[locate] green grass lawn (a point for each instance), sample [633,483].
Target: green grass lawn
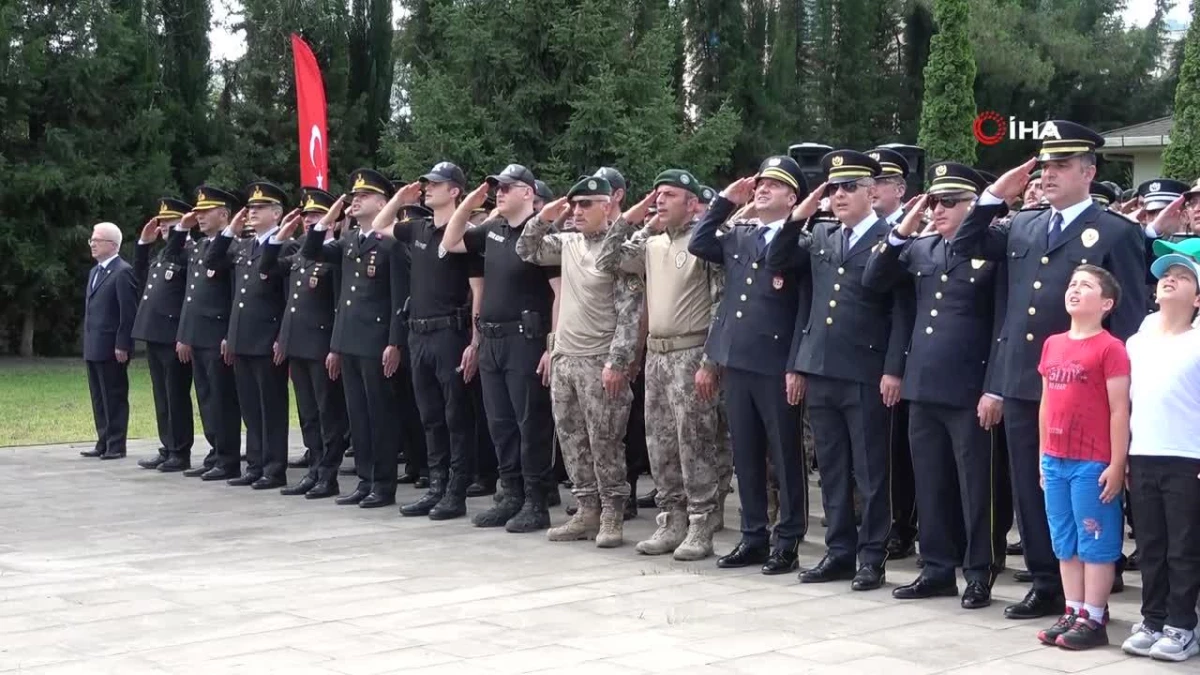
[46,401]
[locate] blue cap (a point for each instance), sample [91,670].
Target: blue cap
[1161,265]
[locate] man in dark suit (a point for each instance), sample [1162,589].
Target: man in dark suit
[260,372]
[109,309]
[203,323]
[944,379]
[163,284]
[312,294]
[368,334]
[749,339]
[1040,248]
[849,359]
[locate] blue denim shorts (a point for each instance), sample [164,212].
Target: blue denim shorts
[1080,524]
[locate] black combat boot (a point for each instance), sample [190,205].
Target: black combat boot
[512,496]
[437,490]
[534,515]
[454,502]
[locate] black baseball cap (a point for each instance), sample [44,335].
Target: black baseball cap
[543,191]
[614,177]
[445,172]
[514,173]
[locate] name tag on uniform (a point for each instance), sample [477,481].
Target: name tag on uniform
[493,235]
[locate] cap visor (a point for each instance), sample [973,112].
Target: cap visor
[500,180]
[1166,262]
[434,178]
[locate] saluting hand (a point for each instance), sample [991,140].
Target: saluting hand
[475,198]
[811,203]
[739,191]
[291,222]
[335,212]
[409,194]
[238,222]
[554,210]
[188,221]
[1012,184]
[637,213]
[913,216]
[149,231]
[1169,218]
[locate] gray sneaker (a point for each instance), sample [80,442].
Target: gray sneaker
[1140,642]
[1175,645]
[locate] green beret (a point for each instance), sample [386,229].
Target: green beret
[707,194]
[680,178]
[591,186]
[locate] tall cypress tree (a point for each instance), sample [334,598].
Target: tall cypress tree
[1182,157]
[948,110]
[186,77]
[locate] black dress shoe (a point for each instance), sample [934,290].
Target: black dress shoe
[926,587]
[152,462]
[1015,549]
[355,497]
[307,483]
[91,453]
[265,483]
[196,472]
[323,489]
[376,500]
[1133,563]
[829,569]
[899,549]
[244,480]
[175,465]
[977,596]
[113,455]
[422,483]
[215,473]
[782,561]
[744,555]
[407,478]
[303,463]
[869,577]
[482,487]
[1037,603]
[1023,576]
[646,501]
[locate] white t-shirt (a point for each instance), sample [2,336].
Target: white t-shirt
[1165,391]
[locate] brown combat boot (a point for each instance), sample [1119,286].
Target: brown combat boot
[583,525]
[612,523]
[672,526]
[697,545]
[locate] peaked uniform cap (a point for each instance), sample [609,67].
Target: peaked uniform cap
[847,166]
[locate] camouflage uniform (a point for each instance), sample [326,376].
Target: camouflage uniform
[598,325]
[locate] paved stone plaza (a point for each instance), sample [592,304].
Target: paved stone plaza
[108,568]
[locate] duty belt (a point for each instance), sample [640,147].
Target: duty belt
[674,344]
[420,326]
[499,330]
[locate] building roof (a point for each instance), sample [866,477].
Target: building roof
[1155,133]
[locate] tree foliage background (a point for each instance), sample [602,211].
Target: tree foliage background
[106,104]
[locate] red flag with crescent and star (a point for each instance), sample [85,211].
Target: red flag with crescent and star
[310,107]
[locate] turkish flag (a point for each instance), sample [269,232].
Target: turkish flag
[310,106]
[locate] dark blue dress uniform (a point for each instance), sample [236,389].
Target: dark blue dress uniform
[439,330]
[369,319]
[164,284]
[203,324]
[109,310]
[1039,266]
[254,319]
[944,377]
[750,338]
[306,329]
[854,337]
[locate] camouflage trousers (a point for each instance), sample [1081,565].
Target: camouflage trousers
[687,455]
[590,426]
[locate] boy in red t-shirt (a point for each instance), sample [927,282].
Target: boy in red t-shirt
[1084,424]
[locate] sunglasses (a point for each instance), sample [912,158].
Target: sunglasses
[505,189]
[948,202]
[587,203]
[848,188]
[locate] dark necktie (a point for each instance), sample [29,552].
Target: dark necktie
[846,234]
[761,241]
[95,277]
[946,253]
[1056,230]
